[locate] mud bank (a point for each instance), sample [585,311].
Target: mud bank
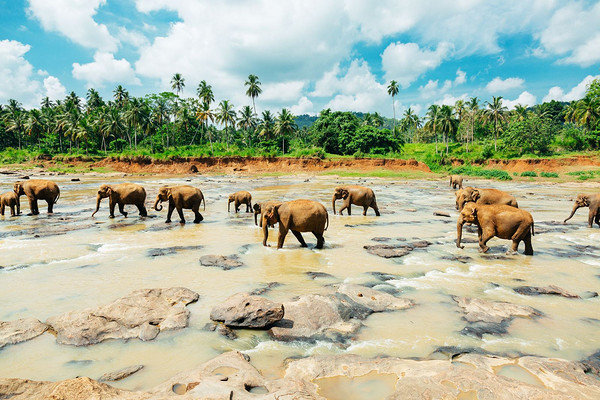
[539,164]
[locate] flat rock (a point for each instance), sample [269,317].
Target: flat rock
[387,251]
[549,290]
[479,310]
[224,262]
[441,214]
[374,299]
[120,374]
[20,330]
[317,274]
[245,311]
[142,314]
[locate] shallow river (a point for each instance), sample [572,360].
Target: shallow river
[70,261]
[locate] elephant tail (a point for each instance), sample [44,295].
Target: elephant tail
[203,204]
[532,230]
[327,217]
[57,197]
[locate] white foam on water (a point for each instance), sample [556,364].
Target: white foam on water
[372,345]
[590,261]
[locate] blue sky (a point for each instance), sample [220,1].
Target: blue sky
[308,54]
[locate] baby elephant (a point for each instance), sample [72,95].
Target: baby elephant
[124,193]
[456,181]
[180,197]
[296,216]
[239,198]
[38,189]
[258,209]
[10,199]
[503,221]
[358,195]
[588,200]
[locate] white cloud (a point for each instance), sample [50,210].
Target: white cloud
[282,91]
[449,100]
[134,38]
[432,88]
[461,77]
[524,99]
[498,85]
[105,69]
[576,93]
[74,19]
[405,62]
[304,106]
[18,79]
[574,31]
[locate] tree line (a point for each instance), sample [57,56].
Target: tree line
[166,121]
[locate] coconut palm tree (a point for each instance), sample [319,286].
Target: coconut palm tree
[34,125]
[121,96]
[266,126]
[473,110]
[113,124]
[411,121]
[253,89]
[392,90]
[448,125]
[46,103]
[570,112]
[587,112]
[285,125]
[15,119]
[495,112]
[177,83]
[226,116]
[205,93]
[137,116]
[432,117]
[203,115]
[247,121]
[93,100]
[73,101]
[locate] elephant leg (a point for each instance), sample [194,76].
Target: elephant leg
[18,206]
[514,247]
[591,216]
[2,209]
[111,205]
[170,212]
[142,209]
[375,208]
[50,206]
[248,207]
[320,240]
[33,206]
[349,208]
[237,206]
[300,238]
[528,246]
[282,234]
[122,209]
[365,208]
[180,212]
[12,211]
[486,235]
[197,216]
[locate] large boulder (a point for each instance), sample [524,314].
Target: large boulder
[120,374]
[245,311]
[20,330]
[224,262]
[374,299]
[552,290]
[142,314]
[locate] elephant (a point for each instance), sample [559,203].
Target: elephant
[258,207]
[10,199]
[358,195]
[501,220]
[483,196]
[297,216]
[239,198]
[38,189]
[588,200]
[181,197]
[456,181]
[124,193]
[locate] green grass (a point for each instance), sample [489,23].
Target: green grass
[381,173]
[470,170]
[585,175]
[529,173]
[549,175]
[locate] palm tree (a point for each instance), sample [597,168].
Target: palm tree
[205,114]
[267,125]
[247,121]
[285,125]
[226,115]
[411,121]
[432,116]
[177,83]
[137,116]
[496,112]
[447,123]
[520,112]
[570,112]
[392,90]
[121,96]
[93,100]
[46,103]
[587,112]
[15,119]
[34,125]
[253,89]
[73,101]
[205,93]
[473,109]
[113,124]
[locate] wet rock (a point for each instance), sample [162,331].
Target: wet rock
[374,299]
[441,214]
[158,252]
[142,314]
[592,364]
[460,259]
[224,262]
[387,251]
[320,317]
[412,210]
[75,179]
[24,177]
[316,274]
[120,374]
[264,289]
[420,244]
[20,330]
[490,317]
[589,294]
[381,239]
[382,276]
[549,290]
[221,329]
[79,363]
[244,311]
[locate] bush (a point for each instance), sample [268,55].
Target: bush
[529,173]
[549,175]
[484,173]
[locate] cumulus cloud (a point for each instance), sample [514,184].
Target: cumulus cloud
[499,85]
[524,99]
[74,19]
[304,106]
[433,89]
[449,100]
[20,81]
[405,62]
[134,38]
[282,91]
[576,93]
[105,69]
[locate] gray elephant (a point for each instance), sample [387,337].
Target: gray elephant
[239,198]
[588,200]
[358,195]
[38,189]
[258,207]
[456,181]
[121,194]
[180,197]
[483,196]
[10,199]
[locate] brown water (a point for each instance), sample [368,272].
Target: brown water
[95,261]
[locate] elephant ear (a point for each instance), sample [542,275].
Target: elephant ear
[585,199]
[109,190]
[17,188]
[345,194]
[169,194]
[475,195]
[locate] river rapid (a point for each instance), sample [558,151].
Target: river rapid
[70,261]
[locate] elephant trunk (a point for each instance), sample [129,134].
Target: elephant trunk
[228,205]
[255,214]
[98,200]
[157,204]
[575,207]
[333,203]
[459,226]
[265,228]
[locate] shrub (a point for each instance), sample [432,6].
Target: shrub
[529,173]
[484,173]
[549,175]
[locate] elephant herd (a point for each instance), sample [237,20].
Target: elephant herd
[494,212]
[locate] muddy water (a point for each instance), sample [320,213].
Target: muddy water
[68,261]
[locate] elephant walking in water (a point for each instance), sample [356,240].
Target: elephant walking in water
[358,195]
[296,216]
[38,189]
[483,196]
[499,220]
[258,207]
[180,197]
[10,199]
[588,200]
[456,181]
[124,193]
[239,198]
